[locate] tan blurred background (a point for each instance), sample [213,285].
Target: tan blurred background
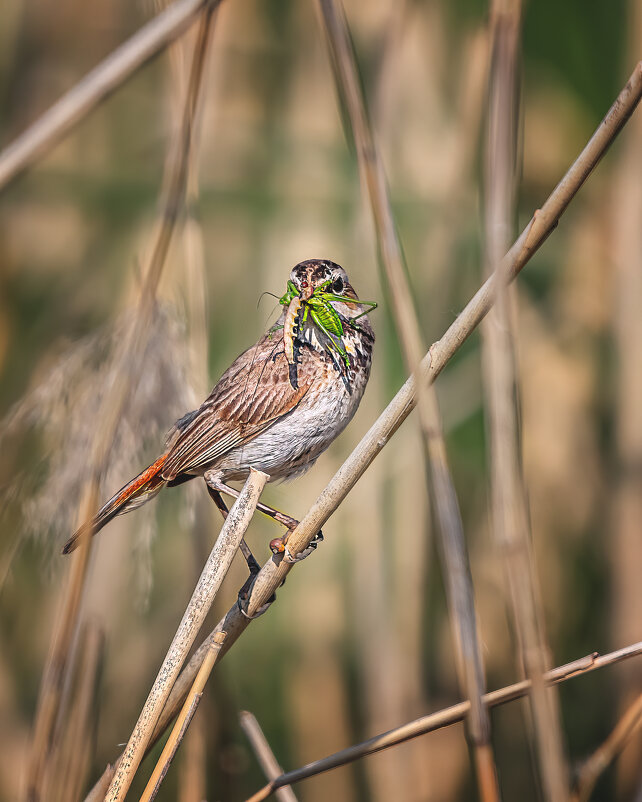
[358,641]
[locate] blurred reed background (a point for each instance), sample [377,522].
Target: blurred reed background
[359,641]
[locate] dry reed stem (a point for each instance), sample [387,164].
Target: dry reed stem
[128,363]
[623,207]
[177,170]
[445,718]
[192,235]
[97,793]
[275,570]
[590,771]
[100,82]
[455,564]
[264,754]
[190,262]
[510,518]
[214,571]
[59,660]
[183,721]
[70,772]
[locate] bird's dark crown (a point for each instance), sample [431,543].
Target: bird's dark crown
[309,275]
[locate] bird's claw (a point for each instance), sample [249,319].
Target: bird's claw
[244,596]
[279,546]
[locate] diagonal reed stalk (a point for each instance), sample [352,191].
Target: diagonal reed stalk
[456,713]
[183,720]
[127,366]
[214,571]
[540,226]
[455,565]
[509,508]
[66,776]
[121,64]
[626,728]
[264,754]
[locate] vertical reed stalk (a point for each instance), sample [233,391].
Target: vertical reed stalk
[128,363]
[510,517]
[453,548]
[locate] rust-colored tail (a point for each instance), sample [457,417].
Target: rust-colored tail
[128,498]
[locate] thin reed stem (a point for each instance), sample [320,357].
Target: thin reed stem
[214,572]
[455,565]
[444,718]
[59,660]
[121,64]
[183,720]
[264,754]
[127,366]
[598,762]
[509,508]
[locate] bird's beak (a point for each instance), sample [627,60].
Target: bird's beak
[305,291]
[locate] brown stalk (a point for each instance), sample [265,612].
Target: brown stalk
[59,661]
[445,718]
[127,365]
[510,519]
[625,729]
[190,262]
[388,626]
[273,572]
[183,720]
[178,170]
[97,793]
[264,754]
[81,728]
[100,82]
[624,479]
[64,778]
[214,571]
[455,564]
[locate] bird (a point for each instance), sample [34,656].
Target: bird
[276,409]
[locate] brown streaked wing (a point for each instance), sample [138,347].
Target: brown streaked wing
[253,393]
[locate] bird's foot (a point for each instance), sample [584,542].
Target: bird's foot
[279,546]
[244,597]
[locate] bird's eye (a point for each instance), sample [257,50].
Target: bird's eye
[338,286]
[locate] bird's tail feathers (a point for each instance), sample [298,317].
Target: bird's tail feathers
[133,495]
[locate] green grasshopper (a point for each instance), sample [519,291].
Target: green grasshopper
[324,316]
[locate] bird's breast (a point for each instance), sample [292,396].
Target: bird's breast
[293,443]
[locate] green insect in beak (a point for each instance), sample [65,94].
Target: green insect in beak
[324,316]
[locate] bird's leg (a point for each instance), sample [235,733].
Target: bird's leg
[252,564]
[286,520]
[278,544]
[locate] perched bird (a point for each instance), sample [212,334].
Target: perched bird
[276,408]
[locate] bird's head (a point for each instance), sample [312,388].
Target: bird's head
[309,276]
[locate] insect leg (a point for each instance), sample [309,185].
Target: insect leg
[372,304]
